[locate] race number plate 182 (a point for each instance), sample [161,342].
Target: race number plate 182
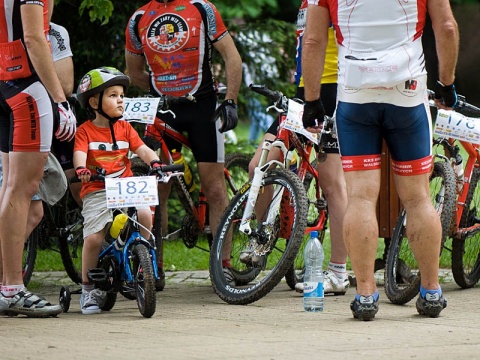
[141,109]
[131,191]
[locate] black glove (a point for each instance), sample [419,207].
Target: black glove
[446,94]
[313,113]
[227,111]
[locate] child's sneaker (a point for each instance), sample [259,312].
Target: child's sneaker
[26,303]
[365,307]
[90,302]
[431,305]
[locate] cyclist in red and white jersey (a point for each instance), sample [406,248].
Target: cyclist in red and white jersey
[28,84]
[175,38]
[382,95]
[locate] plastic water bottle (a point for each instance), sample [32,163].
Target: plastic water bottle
[313,297]
[187,173]
[116,228]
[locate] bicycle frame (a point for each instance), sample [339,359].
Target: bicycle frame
[199,212]
[122,256]
[284,140]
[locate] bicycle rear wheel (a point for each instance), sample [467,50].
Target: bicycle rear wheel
[236,165]
[402,277]
[30,252]
[71,245]
[277,243]
[466,252]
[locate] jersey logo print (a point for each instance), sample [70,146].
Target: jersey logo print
[168,33]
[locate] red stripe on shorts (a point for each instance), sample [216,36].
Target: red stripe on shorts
[413,167]
[361,162]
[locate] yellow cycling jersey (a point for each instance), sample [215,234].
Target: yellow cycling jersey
[331,57]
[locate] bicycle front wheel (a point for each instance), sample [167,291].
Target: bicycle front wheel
[275,242]
[466,252]
[402,276]
[144,280]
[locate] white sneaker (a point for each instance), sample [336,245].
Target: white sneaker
[334,285]
[331,284]
[90,302]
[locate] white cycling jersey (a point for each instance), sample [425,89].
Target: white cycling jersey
[380,48]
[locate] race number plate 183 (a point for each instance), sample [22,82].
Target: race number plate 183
[131,191]
[142,109]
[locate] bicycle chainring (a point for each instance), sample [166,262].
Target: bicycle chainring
[190,231]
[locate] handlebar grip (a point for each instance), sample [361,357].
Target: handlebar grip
[172,168]
[265,91]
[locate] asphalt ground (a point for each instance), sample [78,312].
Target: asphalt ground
[192,322]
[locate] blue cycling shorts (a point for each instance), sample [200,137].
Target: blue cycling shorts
[407,131]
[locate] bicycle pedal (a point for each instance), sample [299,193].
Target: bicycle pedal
[97,275]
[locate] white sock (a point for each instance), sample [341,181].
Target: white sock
[86,288]
[11,290]
[340,270]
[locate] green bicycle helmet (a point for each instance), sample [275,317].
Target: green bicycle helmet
[97,80]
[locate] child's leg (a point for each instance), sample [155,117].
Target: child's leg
[91,248]
[145,218]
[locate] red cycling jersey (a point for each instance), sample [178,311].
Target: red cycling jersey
[176,39]
[14,62]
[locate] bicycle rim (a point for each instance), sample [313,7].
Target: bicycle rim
[277,243]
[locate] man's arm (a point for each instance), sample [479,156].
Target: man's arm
[64,70]
[233,66]
[315,39]
[446,39]
[136,70]
[39,51]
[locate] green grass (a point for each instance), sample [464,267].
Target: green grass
[177,257]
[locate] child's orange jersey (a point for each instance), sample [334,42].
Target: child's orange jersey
[97,143]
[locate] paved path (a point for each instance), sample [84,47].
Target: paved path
[192,322]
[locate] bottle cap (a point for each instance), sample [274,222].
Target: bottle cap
[314,234]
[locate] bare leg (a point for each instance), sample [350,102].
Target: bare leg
[332,182]
[424,230]
[360,226]
[215,189]
[35,215]
[145,218]
[91,249]
[24,171]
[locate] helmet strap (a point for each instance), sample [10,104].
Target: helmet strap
[111,120]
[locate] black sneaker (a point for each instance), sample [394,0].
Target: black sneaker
[364,308]
[431,305]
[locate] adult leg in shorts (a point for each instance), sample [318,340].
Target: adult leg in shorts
[361,128]
[26,128]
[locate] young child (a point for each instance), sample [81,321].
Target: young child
[103,142]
